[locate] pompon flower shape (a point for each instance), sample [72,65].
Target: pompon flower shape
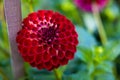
[47,39]
[86,5]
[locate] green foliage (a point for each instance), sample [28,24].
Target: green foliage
[99,60]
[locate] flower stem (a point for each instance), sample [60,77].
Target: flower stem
[99,23]
[57,74]
[31,6]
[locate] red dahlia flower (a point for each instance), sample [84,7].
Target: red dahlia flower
[47,39]
[86,5]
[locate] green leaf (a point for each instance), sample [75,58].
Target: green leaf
[81,75]
[105,66]
[112,50]
[35,74]
[105,76]
[90,67]
[85,54]
[86,45]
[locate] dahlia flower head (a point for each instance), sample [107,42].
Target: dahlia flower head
[86,5]
[47,39]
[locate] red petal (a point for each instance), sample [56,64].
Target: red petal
[46,57]
[69,55]
[61,54]
[52,51]
[54,60]
[63,61]
[38,59]
[40,66]
[33,64]
[27,42]
[47,65]
[34,43]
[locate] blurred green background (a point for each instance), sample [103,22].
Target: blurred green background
[92,60]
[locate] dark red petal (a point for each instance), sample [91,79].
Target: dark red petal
[39,49]
[61,54]
[45,47]
[48,65]
[20,48]
[27,42]
[34,42]
[52,51]
[26,22]
[27,34]
[18,38]
[63,47]
[29,59]
[56,66]
[31,51]
[54,61]
[33,16]
[55,46]
[21,41]
[34,29]
[33,64]
[69,55]
[40,66]
[75,41]
[38,59]
[24,50]
[63,61]
[33,35]
[71,47]
[46,57]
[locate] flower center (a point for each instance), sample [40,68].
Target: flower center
[48,33]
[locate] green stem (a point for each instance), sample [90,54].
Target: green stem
[99,24]
[31,6]
[57,74]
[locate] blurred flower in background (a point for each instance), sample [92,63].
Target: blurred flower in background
[86,5]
